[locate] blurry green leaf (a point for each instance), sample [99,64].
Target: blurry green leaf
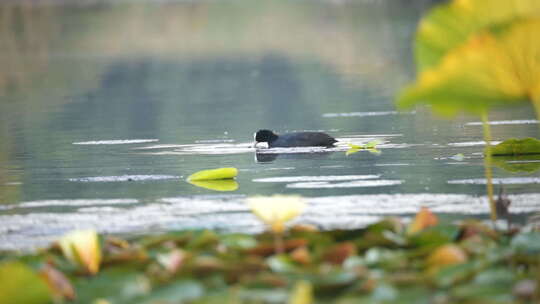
[435,236]
[522,163]
[449,25]
[384,293]
[177,292]
[515,146]
[281,263]
[239,241]
[216,185]
[20,284]
[527,242]
[213,174]
[465,79]
[302,293]
[450,275]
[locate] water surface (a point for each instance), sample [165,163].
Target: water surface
[106,108]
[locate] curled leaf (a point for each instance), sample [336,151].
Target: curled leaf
[213,174]
[276,210]
[82,249]
[423,219]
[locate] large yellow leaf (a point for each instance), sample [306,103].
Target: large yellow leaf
[492,68]
[451,24]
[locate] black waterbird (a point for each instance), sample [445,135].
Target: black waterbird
[296,139]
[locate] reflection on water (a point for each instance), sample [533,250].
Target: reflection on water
[104,107]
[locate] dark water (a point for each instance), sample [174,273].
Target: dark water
[106,108]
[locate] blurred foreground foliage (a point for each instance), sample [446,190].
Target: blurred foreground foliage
[473,55]
[427,261]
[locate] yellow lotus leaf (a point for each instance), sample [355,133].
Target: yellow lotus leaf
[216,185]
[302,293]
[82,248]
[492,68]
[423,219]
[214,174]
[446,255]
[451,24]
[276,210]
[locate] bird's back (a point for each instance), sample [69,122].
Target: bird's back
[303,139]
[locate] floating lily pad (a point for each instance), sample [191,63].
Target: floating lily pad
[517,146]
[213,174]
[19,284]
[522,163]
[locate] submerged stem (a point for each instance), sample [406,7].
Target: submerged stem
[487,166]
[278,243]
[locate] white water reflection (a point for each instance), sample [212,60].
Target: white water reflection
[505,122]
[351,184]
[123,178]
[505,181]
[115,142]
[325,178]
[226,213]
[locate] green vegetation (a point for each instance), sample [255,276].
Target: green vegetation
[387,262]
[475,55]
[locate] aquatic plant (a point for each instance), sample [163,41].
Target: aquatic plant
[276,211]
[442,262]
[81,248]
[476,55]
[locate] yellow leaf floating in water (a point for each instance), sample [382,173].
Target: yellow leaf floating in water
[370,147]
[82,248]
[214,174]
[276,210]
[216,185]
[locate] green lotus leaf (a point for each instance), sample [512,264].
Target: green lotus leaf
[517,146]
[19,284]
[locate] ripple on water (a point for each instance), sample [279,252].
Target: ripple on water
[122,178]
[69,203]
[508,180]
[324,178]
[349,184]
[505,122]
[364,114]
[115,142]
[230,213]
